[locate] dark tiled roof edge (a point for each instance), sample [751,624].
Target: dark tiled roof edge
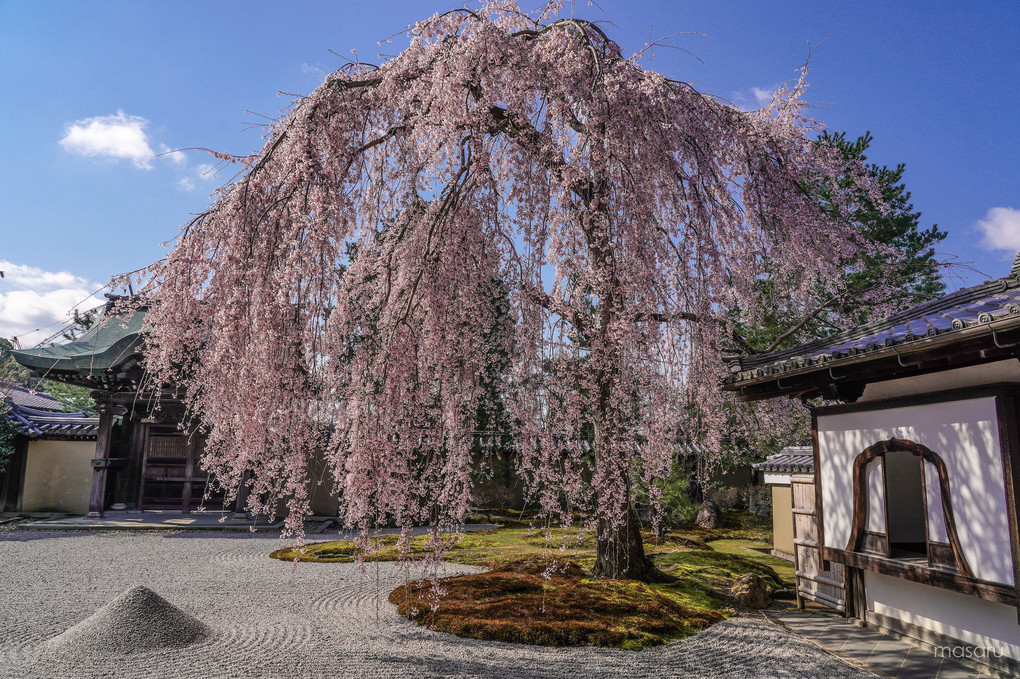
[38,424]
[787,463]
[981,304]
[25,397]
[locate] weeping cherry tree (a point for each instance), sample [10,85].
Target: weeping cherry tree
[507,191]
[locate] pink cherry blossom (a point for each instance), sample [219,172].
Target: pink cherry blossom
[506,189]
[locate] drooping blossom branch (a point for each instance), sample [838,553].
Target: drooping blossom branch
[503,192]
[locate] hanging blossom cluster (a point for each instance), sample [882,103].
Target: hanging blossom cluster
[508,204]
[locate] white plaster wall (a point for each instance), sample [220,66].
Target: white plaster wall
[58,476]
[978,375]
[965,435]
[936,517]
[876,497]
[776,478]
[985,624]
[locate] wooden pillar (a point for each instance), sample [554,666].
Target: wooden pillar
[101,459]
[189,473]
[143,446]
[1007,411]
[241,502]
[12,481]
[132,482]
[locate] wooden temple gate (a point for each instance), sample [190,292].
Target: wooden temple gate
[823,586]
[171,476]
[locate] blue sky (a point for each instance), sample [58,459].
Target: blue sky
[91,90]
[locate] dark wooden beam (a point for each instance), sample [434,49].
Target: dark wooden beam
[100,463]
[1009,443]
[189,472]
[946,396]
[945,579]
[819,516]
[99,471]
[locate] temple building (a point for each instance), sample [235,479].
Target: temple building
[908,521]
[140,459]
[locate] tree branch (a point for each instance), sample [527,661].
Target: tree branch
[804,321]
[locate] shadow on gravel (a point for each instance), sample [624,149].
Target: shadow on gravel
[450,667]
[28,536]
[225,535]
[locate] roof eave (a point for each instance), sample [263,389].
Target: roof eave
[804,381]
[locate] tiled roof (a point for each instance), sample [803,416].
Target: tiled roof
[793,459]
[996,301]
[47,422]
[21,396]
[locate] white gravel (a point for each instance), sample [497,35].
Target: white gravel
[137,621]
[267,618]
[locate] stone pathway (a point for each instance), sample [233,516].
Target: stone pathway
[884,654]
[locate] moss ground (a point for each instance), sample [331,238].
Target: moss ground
[522,599]
[551,603]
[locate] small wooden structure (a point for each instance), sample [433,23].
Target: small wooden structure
[141,458]
[909,521]
[777,472]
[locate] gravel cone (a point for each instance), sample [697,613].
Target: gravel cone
[137,621]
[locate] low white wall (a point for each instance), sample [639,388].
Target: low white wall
[965,434]
[985,624]
[58,476]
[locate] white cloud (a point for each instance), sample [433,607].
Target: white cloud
[312,68]
[186,184]
[763,96]
[116,136]
[35,303]
[22,276]
[178,157]
[754,97]
[1001,229]
[206,171]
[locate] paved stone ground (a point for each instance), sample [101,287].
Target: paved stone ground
[890,657]
[272,619]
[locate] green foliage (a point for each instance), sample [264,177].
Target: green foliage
[75,399]
[900,265]
[675,501]
[7,435]
[907,264]
[10,371]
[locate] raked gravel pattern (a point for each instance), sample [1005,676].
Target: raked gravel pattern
[268,619]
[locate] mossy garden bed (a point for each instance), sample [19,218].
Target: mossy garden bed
[550,603]
[536,591]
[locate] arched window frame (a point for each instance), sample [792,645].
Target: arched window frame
[860,490]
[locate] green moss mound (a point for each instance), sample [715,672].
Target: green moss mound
[381,548]
[550,603]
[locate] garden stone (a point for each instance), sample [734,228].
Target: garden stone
[751,591]
[710,516]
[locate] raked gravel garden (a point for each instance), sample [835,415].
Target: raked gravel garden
[216,605]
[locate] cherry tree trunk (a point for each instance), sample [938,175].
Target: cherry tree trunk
[620,553]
